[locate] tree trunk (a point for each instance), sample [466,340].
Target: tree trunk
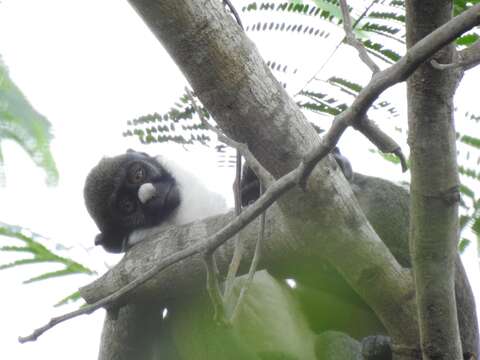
[326,229]
[434,186]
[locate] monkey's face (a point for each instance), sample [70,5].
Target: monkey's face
[128,192]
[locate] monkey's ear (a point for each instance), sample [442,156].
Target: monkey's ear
[130,151]
[99,239]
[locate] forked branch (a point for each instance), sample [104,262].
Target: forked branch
[380,82]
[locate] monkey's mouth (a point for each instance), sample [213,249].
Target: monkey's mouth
[159,198]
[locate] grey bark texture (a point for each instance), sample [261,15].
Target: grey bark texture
[324,228]
[251,106]
[435,186]
[284,257]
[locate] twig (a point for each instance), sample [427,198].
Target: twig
[253,265]
[55,321]
[238,251]
[229,4]
[381,140]
[252,162]
[470,57]
[467,59]
[417,54]
[384,79]
[353,41]
[436,65]
[213,287]
[236,185]
[365,12]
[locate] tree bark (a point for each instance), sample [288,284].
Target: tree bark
[128,334]
[232,81]
[434,186]
[283,256]
[325,222]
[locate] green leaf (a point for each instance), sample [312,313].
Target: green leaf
[69,299]
[20,122]
[269,325]
[476,227]
[470,140]
[462,246]
[467,39]
[18,263]
[270,318]
[49,275]
[465,190]
[460,6]
[39,252]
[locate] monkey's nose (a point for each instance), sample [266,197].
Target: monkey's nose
[146,192]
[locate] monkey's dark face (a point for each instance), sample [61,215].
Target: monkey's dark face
[128,192]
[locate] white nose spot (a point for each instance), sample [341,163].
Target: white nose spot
[146,192]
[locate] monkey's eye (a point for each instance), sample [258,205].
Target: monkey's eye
[136,174]
[126,205]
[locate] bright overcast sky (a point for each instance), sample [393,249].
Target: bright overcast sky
[89,66]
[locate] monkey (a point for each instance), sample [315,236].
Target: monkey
[135,191]
[250,186]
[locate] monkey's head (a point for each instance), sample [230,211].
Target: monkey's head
[128,192]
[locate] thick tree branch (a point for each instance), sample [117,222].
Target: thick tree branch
[251,107]
[434,186]
[398,72]
[242,92]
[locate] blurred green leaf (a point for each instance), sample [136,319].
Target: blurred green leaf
[40,254]
[69,299]
[20,122]
[464,243]
[270,325]
[381,28]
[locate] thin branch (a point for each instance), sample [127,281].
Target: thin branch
[237,255]
[436,65]
[381,140]
[234,12]
[467,59]
[213,287]
[277,189]
[252,162]
[236,185]
[55,321]
[353,41]
[470,57]
[253,265]
[416,55]
[365,12]
[238,252]
[396,73]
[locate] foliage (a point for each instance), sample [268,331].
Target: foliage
[270,325]
[380,25]
[32,244]
[20,122]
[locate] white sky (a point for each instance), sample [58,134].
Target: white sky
[89,67]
